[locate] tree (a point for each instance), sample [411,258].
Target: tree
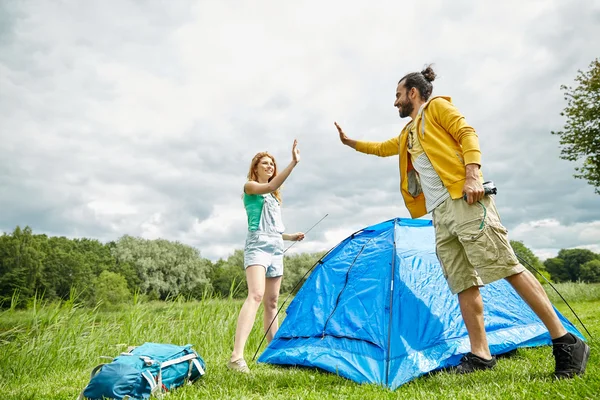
[580,137]
[574,259]
[228,278]
[567,266]
[56,267]
[65,268]
[526,254]
[161,268]
[111,289]
[556,268]
[590,271]
[21,264]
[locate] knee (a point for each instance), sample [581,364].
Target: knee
[255,296]
[470,299]
[271,302]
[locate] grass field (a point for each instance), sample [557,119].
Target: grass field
[48,351]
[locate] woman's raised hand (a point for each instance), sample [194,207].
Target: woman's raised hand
[296,152]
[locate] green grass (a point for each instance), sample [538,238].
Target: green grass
[573,291]
[47,352]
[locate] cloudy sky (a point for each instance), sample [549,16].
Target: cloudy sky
[141,117]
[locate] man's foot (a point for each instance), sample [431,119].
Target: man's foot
[470,363]
[571,358]
[239,365]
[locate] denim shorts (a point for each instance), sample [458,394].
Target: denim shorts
[265,249]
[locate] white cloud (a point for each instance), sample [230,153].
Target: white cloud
[546,237]
[118,118]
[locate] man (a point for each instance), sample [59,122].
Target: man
[440,163]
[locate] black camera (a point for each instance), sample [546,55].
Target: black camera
[488,187]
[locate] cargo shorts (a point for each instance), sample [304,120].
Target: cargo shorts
[472,244]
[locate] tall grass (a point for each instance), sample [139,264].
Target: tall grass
[48,351]
[573,291]
[64,338]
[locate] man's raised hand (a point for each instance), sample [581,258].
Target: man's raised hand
[343,138]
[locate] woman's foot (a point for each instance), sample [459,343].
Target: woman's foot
[239,365]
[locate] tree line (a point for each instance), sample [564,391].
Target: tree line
[58,268]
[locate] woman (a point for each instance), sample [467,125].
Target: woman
[263,254]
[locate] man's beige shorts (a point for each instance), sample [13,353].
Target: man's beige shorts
[472,245]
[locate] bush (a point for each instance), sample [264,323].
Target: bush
[590,271]
[111,289]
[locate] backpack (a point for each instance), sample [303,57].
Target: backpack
[147,370]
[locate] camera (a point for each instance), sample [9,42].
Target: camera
[488,187]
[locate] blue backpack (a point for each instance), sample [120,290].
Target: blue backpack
[147,370]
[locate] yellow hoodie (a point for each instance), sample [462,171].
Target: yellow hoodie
[446,138]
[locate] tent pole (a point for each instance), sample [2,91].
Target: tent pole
[320,261]
[393,267]
[556,290]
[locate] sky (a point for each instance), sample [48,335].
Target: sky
[142,117]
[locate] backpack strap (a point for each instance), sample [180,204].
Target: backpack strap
[188,357]
[198,366]
[189,374]
[160,388]
[178,360]
[150,379]
[94,372]
[96,369]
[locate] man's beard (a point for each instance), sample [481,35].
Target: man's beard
[406,109]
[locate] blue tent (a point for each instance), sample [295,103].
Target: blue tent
[377,309]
